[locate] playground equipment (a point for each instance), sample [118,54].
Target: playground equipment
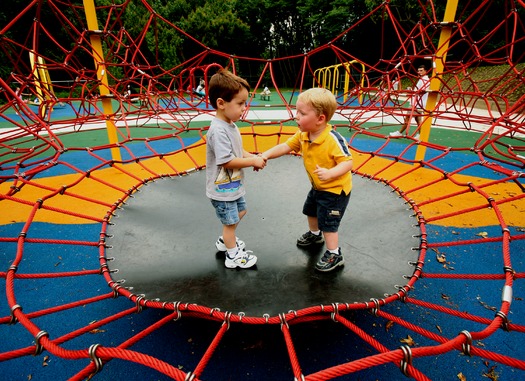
[71,311]
[330,77]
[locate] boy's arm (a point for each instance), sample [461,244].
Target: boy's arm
[340,169]
[257,162]
[276,151]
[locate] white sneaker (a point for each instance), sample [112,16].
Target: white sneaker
[243,259]
[416,136]
[396,134]
[222,247]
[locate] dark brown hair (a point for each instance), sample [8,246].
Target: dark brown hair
[224,84]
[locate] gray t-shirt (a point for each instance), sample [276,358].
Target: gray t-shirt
[223,144]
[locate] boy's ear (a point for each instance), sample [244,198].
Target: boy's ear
[220,102]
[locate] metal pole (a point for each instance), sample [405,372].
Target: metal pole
[435,81]
[100,65]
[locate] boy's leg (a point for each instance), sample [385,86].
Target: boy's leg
[332,240]
[399,133]
[230,214]
[228,236]
[310,238]
[332,208]
[228,232]
[313,224]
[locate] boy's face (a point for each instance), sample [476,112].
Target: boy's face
[233,110]
[307,118]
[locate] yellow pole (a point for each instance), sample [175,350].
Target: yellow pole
[98,56]
[435,81]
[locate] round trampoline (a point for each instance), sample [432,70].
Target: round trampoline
[162,241]
[109,268]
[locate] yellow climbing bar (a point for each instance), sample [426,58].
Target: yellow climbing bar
[100,65]
[435,81]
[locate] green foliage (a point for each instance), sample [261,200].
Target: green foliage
[251,28]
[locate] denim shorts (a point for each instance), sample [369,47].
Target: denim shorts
[228,211]
[329,208]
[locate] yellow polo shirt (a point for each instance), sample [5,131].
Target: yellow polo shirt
[328,150]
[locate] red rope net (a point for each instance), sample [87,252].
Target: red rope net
[52,130]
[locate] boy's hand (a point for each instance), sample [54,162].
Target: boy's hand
[322,173]
[259,163]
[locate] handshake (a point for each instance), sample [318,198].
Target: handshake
[259,162]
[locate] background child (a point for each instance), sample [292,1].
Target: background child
[225,158]
[328,163]
[418,104]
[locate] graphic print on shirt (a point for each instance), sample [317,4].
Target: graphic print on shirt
[228,180]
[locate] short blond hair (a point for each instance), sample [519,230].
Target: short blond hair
[321,100]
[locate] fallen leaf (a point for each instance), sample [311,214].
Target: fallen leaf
[408,341]
[446,297]
[439,329]
[389,325]
[483,234]
[492,375]
[462,377]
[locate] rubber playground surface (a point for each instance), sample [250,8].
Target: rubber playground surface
[373,224]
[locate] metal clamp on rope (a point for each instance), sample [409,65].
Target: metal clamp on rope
[92,351]
[301,379]
[505,321]
[38,346]
[177,309]
[506,294]
[509,269]
[13,319]
[137,302]
[283,321]
[336,311]
[407,359]
[467,346]
[376,308]
[190,376]
[227,317]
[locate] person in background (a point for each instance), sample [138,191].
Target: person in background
[266,92]
[418,104]
[200,89]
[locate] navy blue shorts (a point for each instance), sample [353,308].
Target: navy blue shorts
[329,208]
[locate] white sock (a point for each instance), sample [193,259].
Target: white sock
[232,252]
[334,251]
[317,232]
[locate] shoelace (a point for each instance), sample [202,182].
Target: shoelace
[246,254]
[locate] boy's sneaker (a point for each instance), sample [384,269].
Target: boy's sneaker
[243,259]
[310,238]
[330,261]
[222,247]
[396,134]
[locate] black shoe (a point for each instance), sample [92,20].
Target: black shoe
[310,238]
[330,261]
